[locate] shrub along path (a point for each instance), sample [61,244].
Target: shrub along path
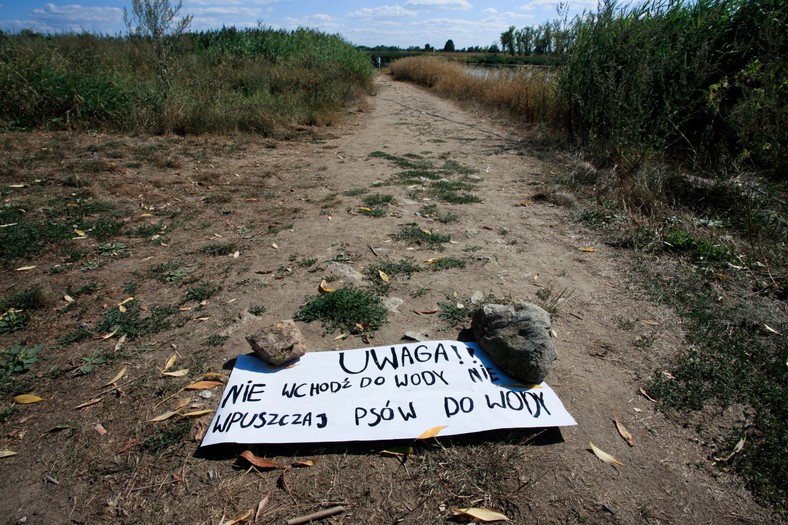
[211,232]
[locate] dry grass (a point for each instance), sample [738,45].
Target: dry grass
[526,93]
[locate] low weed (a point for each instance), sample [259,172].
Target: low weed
[698,249]
[30,299]
[80,333]
[551,298]
[730,358]
[219,248]
[412,233]
[201,292]
[132,324]
[346,309]
[13,321]
[17,360]
[257,310]
[431,211]
[170,436]
[405,267]
[447,263]
[168,272]
[216,340]
[455,312]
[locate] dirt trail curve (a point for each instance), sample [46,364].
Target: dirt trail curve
[513,246]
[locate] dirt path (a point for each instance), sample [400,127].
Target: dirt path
[514,246]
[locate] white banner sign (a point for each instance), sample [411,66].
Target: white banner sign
[380,393]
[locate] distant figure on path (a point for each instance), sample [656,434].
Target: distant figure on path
[376,61]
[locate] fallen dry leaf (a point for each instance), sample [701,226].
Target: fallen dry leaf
[434,431]
[203,385]
[384,276]
[259,462]
[5,453]
[111,334]
[589,250]
[645,394]
[196,413]
[163,417]
[68,298]
[170,362]
[649,322]
[604,456]
[770,329]
[89,403]
[341,336]
[117,377]
[304,463]
[129,445]
[624,433]
[202,428]
[100,430]
[177,373]
[274,246]
[260,506]
[243,518]
[481,514]
[120,343]
[432,261]
[213,376]
[426,312]
[324,288]
[183,403]
[736,450]
[25,268]
[26,399]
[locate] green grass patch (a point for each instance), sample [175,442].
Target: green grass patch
[219,248]
[698,249]
[80,333]
[431,211]
[403,267]
[343,310]
[13,321]
[377,199]
[413,234]
[411,161]
[730,358]
[30,299]
[132,324]
[257,310]
[447,263]
[168,272]
[216,340]
[201,292]
[17,360]
[167,438]
[355,192]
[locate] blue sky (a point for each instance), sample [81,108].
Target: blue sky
[401,23]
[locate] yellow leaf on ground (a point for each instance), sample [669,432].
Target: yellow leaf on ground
[397,451]
[117,377]
[196,413]
[649,322]
[260,506]
[164,416]
[203,385]
[383,275]
[177,373]
[68,298]
[111,334]
[434,431]
[604,456]
[304,463]
[341,336]
[481,514]
[432,261]
[7,453]
[324,288]
[624,433]
[26,399]
[589,250]
[170,362]
[25,268]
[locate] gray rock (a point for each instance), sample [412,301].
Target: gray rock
[279,343]
[416,336]
[517,339]
[346,270]
[392,303]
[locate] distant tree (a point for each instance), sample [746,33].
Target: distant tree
[449,46]
[507,40]
[493,49]
[154,20]
[427,47]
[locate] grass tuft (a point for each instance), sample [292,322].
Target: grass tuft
[344,309]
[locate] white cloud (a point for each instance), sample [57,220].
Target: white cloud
[320,21]
[441,4]
[490,11]
[386,11]
[77,15]
[536,4]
